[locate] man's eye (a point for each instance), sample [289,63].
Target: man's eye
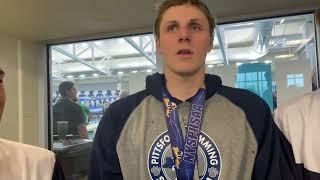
[171,28]
[195,27]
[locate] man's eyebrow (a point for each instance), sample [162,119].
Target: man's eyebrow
[171,22]
[194,20]
[191,20]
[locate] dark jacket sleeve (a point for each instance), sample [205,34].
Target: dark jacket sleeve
[271,160]
[104,163]
[274,156]
[58,172]
[288,166]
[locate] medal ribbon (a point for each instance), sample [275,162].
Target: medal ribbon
[184,151]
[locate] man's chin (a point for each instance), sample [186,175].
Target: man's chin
[187,73]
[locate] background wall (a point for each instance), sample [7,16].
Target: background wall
[285,93]
[21,61]
[9,127]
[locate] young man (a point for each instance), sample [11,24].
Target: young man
[186,124]
[67,110]
[299,120]
[25,162]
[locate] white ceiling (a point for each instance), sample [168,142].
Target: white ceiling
[64,20]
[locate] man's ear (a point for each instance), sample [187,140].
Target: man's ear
[158,46]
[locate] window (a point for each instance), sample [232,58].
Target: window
[256,78]
[295,80]
[261,56]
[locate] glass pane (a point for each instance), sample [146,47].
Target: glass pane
[285,44]
[299,82]
[290,82]
[102,71]
[273,58]
[241,77]
[290,76]
[299,76]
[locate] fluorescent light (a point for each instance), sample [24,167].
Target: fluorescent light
[95,75]
[120,73]
[82,76]
[238,64]
[210,66]
[295,42]
[267,61]
[134,72]
[294,58]
[282,20]
[253,62]
[69,76]
[98,43]
[220,64]
[149,70]
[241,24]
[284,56]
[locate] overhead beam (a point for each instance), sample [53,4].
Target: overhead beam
[222,46]
[79,60]
[108,57]
[139,49]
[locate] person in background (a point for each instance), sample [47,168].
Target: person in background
[25,162]
[67,110]
[299,120]
[186,125]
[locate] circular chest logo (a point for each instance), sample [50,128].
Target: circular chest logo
[161,164]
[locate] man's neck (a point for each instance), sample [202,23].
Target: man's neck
[184,87]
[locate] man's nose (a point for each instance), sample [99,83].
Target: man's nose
[184,34]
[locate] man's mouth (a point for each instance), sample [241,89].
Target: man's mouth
[184,52]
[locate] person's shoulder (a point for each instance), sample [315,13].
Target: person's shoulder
[63,103]
[299,103]
[24,157]
[257,111]
[68,104]
[29,151]
[128,102]
[121,109]
[243,98]
[77,106]
[16,146]
[117,114]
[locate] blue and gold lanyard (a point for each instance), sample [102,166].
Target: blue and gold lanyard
[184,151]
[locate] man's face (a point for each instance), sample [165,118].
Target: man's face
[184,39]
[72,93]
[2,92]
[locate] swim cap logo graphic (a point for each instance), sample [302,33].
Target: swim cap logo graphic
[161,164]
